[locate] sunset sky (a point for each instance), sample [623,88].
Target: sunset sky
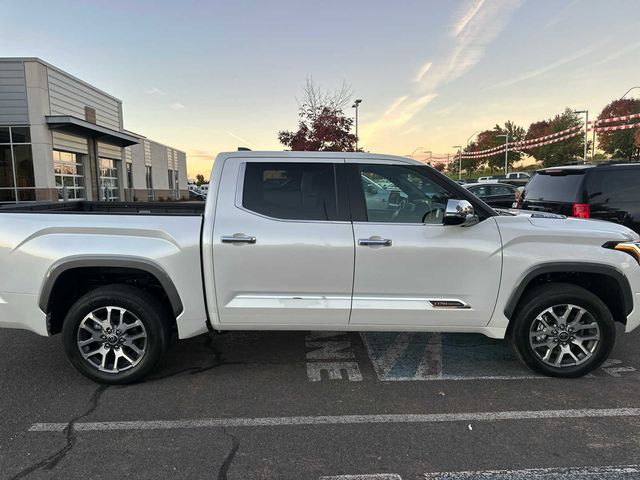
[211,76]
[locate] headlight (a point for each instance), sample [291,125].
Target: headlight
[631,248]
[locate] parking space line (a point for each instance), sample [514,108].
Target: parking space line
[373,476]
[339,420]
[618,472]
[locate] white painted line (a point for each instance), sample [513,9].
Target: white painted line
[540,473]
[340,420]
[373,476]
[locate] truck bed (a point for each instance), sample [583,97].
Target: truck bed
[111,208]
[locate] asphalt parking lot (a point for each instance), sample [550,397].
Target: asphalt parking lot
[298,405]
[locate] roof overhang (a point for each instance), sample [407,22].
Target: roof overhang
[76,126]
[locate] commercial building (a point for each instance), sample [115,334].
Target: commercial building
[62,139]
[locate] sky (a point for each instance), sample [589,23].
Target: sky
[210,76]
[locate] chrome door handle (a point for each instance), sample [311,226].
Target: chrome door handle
[238,238]
[385,242]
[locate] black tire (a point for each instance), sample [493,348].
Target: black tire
[549,295]
[141,306]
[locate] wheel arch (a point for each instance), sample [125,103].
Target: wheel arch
[619,298]
[97,265]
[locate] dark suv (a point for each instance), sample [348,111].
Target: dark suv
[609,191]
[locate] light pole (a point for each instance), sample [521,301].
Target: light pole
[472,135]
[430,155]
[417,148]
[586,130]
[632,88]
[506,152]
[459,147]
[355,105]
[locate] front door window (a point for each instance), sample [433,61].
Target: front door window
[402,194]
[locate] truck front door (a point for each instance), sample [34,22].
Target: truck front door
[411,270]
[283,248]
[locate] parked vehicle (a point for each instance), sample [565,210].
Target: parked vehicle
[194,195]
[288,243]
[495,194]
[382,202]
[609,191]
[488,179]
[518,179]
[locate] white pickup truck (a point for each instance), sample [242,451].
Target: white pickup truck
[295,241]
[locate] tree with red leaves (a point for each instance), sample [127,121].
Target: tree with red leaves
[323,126]
[621,143]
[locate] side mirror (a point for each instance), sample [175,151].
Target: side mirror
[459,212]
[371,190]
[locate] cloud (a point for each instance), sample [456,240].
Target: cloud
[474,27]
[617,54]
[537,72]
[238,137]
[558,16]
[423,71]
[469,12]
[177,106]
[397,116]
[154,91]
[395,104]
[478,24]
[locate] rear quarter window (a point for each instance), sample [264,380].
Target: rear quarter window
[555,187]
[616,184]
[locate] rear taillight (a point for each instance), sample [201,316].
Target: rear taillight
[581,210]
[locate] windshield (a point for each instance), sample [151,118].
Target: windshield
[554,186]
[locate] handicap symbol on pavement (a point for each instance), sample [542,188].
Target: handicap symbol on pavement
[406,356]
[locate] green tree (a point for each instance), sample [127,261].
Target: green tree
[621,143]
[516,134]
[200,180]
[559,153]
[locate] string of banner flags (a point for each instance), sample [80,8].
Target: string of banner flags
[577,130]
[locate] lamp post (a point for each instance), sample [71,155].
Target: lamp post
[506,151]
[417,148]
[430,155]
[586,130]
[459,147]
[632,88]
[472,135]
[355,105]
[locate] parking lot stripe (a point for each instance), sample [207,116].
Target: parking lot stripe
[373,476]
[618,472]
[339,420]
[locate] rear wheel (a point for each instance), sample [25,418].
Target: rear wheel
[115,334]
[563,330]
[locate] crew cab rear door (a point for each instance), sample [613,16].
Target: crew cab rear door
[410,269]
[283,248]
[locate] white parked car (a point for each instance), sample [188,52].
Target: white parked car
[288,243]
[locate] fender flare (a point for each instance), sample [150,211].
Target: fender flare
[571,267]
[134,263]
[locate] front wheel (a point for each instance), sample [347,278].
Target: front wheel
[563,330]
[115,334]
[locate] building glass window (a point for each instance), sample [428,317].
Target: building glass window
[109,180]
[68,169]
[129,175]
[17,181]
[149,179]
[171,180]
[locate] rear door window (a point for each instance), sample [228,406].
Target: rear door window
[500,190]
[292,191]
[555,186]
[614,185]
